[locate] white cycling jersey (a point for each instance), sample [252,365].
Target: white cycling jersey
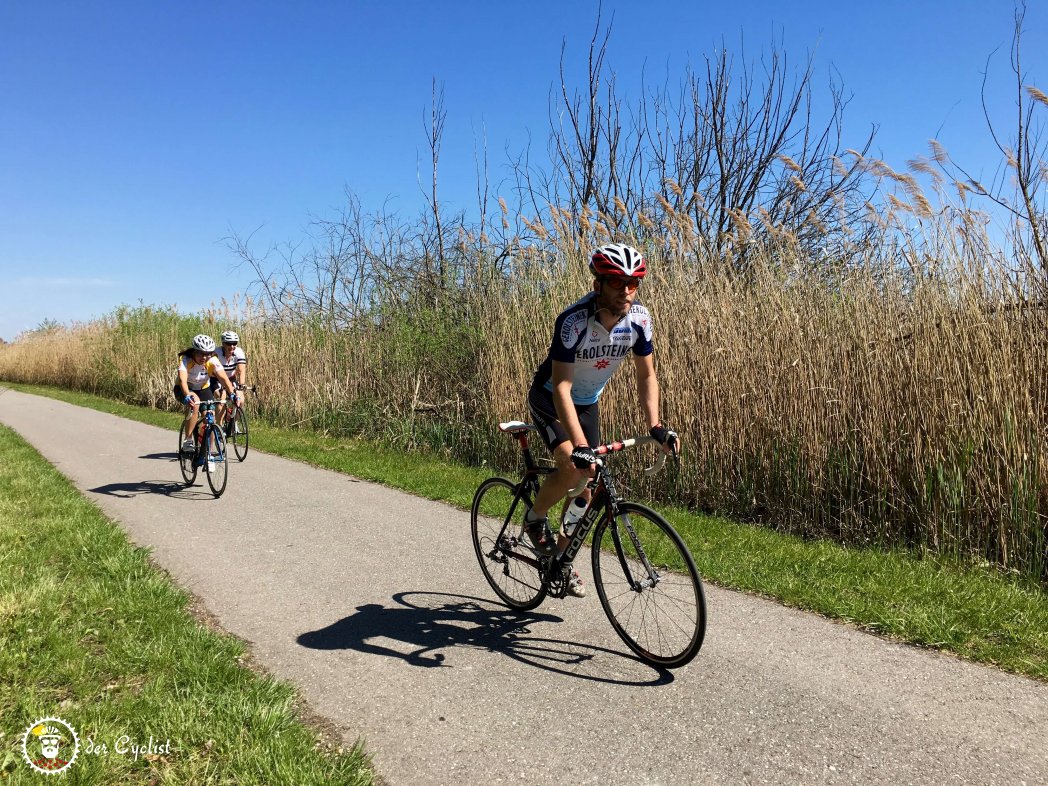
[580,338]
[198,374]
[231,363]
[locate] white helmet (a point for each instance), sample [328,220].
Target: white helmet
[204,343]
[229,337]
[616,259]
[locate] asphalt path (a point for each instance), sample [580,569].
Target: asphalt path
[370,600]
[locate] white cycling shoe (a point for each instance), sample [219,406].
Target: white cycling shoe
[575,586]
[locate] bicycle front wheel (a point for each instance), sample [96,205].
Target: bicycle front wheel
[649,587]
[509,565]
[186,461]
[238,433]
[215,465]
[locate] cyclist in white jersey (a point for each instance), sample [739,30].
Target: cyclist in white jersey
[234,361]
[198,376]
[590,340]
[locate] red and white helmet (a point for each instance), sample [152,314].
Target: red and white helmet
[616,259]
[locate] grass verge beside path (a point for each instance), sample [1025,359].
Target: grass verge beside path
[977,614]
[90,632]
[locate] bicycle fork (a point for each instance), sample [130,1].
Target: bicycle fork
[653,575]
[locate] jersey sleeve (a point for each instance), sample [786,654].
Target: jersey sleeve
[641,320]
[568,331]
[213,365]
[239,356]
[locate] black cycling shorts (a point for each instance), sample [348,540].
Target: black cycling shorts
[544,413]
[207,394]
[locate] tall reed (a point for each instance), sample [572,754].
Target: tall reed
[879,403]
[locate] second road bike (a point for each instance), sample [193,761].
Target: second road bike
[236,424]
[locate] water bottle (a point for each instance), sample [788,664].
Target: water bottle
[576,510]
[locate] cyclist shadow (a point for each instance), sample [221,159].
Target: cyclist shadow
[165,487]
[172,456]
[438,621]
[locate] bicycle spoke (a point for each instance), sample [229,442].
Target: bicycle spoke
[186,461]
[663,616]
[216,466]
[239,436]
[508,564]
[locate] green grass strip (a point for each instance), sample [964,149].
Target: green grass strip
[980,615]
[92,633]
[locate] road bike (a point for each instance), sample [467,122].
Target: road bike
[209,451]
[236,429]
[644,574]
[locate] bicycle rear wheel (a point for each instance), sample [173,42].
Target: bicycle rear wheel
[649,587]
[186,461]
[238,436]
[215,465]
[509,564]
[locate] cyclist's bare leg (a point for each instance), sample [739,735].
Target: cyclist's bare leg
[191,418]
[557,484]
[220,396]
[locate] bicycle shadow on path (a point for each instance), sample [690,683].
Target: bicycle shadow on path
[435,621]
[168,488]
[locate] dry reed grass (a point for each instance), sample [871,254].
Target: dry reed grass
[891,403]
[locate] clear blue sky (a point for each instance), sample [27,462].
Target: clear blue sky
[134,136]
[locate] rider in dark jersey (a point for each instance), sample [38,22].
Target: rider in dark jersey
[590,340]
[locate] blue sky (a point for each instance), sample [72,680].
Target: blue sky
[135,136]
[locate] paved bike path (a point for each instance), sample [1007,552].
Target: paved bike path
[371,601]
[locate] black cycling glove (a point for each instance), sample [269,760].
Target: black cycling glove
[664,436]
[583,456]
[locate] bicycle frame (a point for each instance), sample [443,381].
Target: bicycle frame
[205,418]
[527,488]
[229,409]
[603,503]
